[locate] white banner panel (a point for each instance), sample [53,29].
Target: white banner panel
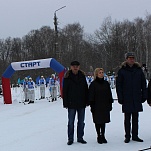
[32,64]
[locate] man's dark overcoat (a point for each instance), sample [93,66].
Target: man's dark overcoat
[131,88]
[75,90]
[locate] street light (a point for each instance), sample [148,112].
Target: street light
[56,34]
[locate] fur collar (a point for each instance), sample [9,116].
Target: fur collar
[69,71]
[135,64]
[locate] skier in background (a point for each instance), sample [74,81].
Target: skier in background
[25,88]
[42,83]
[31,91]
[53,88]
[58,86]
[112,81]
[89,79]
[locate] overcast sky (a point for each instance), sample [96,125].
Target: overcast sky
[18,17]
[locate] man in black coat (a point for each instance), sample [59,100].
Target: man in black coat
[75,98]
[132,92]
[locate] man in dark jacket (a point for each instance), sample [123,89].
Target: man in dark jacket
[132,92]
[75,98]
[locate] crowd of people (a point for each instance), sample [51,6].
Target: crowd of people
[80,92]
[54,87]
[110,77]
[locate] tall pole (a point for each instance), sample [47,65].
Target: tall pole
[57,52]
[56,35]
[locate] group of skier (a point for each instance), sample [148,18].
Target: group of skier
[111,78]
[29,88]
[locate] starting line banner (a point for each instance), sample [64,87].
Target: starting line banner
[28,65]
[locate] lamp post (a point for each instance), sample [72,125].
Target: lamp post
[57,52]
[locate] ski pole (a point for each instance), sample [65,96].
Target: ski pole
[145,149]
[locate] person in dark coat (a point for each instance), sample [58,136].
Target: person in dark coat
[149,93]
[75,99]
[132,92]
[100,99]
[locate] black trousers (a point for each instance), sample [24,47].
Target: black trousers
[100,129]
[127,124]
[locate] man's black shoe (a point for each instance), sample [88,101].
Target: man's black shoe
[127,140]
[82,141]
[69,142]
[137,139]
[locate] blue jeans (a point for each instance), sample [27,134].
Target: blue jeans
[80,124]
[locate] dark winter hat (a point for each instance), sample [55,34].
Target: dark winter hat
[129,54]
[75,63]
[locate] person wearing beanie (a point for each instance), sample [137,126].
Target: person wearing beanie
[129,55]
[131,91]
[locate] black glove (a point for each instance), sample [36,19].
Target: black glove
[65,105]
[92,110]
[111,107]
[120,101]
[111,101]
[87,104]
[143,100]
[92,105]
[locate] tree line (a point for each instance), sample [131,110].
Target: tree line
[104,48]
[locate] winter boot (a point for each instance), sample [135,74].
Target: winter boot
[82,141]
[70,142]
[99,139]
[104,139]
[127,140]
[30,102]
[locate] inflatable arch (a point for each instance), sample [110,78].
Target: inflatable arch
[28,65]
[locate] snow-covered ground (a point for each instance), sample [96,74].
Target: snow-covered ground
[42,126]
